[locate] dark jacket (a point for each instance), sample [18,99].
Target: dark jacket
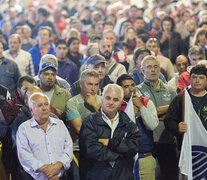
[76,89]
[172,47]
[174,116]
[112,162]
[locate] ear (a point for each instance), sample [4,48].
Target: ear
[81,85]
[142,70]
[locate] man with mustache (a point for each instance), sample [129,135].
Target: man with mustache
[113,69]
[161,95]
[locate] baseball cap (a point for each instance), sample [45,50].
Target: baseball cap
[46,65]
[96,59]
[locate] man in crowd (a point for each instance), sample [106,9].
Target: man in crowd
[39,157]
[58,96]
[113,69]
[108,140]
[43,47]
[174,117]
[161,95]
[165,63]
[67,69]
[82,105]
[98,63]
[195,54]
[21,57]
[62,83]
[146,120]
[9,73]
[181,65]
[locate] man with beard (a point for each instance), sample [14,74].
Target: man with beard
[113,69]
[58,96]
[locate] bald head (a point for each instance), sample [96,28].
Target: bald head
[204,62]
[31,90]
[181,64]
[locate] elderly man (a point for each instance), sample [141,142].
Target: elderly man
[21,57]
[98,63]
[161,95]
[146,120]
[42,153]
[108,140]
[113,69]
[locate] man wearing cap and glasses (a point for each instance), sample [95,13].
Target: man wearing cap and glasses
[98,63]
[58,96]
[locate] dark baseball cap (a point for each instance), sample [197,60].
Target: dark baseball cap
[46,65]
[96,59]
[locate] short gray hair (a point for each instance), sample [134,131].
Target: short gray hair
[88,72]
[114,87]
[147,58]
[31,99]
[196,50]
[47,57]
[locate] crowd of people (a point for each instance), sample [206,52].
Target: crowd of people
[95,90]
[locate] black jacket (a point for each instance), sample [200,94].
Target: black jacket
[112,162]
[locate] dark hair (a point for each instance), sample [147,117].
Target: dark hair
[107,22]
[43,11]
[199,69]
[29,79]
[155,18]
[139,18]
[144,37]
[202,23]
[133,6]
[60,41]
[71,40]
[122,78]
[139,51]
[124,45]
[168,18]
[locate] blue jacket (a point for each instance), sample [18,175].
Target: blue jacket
[36,55]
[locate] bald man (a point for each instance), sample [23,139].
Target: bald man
[181,65]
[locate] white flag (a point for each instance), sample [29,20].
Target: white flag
[193,157]
[130,109]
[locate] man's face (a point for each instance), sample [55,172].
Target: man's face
[151,70]
[156,24]
[90,85]
[47,78]
[110,36]
[133,12]
[23,89]
[105,49]
[198,82]
[44,37]
[61,51]
[41,109]
[74,46]
[194,59]
[139,24]
[111,101]
[1,50]
[140,58]
[167,26]
[27,33]
[129,87]
[99,68]
[181,64]
[14,44]
[191,27]
[153,47]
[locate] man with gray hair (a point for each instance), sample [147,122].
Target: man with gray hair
[161,95]
[42,153]
[109,140]
[82,105]
[195,54]
[21,57]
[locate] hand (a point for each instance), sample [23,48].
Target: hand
[164,37]
[51,170]
[104,141]
[136,101]
[54,178]
[91,100]
[182,127]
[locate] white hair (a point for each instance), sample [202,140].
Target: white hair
[114,87]
[147,58]
[31,99]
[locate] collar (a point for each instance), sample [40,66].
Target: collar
[160,84]
[106,117]
[34,123]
